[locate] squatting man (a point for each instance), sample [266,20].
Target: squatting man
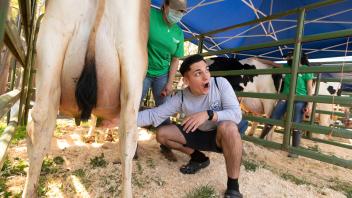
[212,114]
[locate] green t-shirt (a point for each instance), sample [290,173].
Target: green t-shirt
[301,86]
[164,42]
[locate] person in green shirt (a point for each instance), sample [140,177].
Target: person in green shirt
[303,88]
[165,47]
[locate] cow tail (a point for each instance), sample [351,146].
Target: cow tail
[87,86]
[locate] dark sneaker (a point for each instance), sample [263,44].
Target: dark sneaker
[192,167]
[232,194]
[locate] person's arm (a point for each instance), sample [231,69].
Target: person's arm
[231,107]
[157,115]
[308,109]
[268,62]
[310,87]
[173,69]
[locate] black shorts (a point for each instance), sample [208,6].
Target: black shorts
[201,140]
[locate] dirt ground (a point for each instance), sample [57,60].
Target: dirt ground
[74,168]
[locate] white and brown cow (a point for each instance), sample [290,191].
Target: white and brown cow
[327,89]
[91,58]
[249,83]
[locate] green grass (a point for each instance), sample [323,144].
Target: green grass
[3,186]
[2,127]
[10,169]
[20,133]
[158,181]
[48,167]
[314,148]
[42,189]
[15,168]
[79,173]
[151,163]
[98,161]
[294,179]
[139,168]
[205,191]
[250,165]
[59,160]
[341,186]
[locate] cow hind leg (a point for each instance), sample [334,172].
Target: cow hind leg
[41,128]
[253,128]
[131,90]
[40,131]
[324,120]
[268,106]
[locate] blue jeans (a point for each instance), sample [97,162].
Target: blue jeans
[280,110]
[157,84]
[242,127]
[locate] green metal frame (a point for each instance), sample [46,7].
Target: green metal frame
[341,100]
[341,80]
[316,69]
[303,152]
[310,38]
[340,114]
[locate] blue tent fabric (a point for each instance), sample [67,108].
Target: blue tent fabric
[207,15]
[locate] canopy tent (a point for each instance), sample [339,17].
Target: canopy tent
[207,15]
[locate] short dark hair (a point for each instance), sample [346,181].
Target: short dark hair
[186,65]
[304,57]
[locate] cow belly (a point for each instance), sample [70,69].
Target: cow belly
[253,105]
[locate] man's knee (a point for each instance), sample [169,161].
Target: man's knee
[162,133]
[228,130]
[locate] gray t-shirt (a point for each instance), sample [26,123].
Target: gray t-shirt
[221,99]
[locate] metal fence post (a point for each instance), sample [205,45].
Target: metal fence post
[294,67]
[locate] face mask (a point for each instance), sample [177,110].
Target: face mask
[174,16]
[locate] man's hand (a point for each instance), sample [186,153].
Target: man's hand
[307,111]
[167,90]
[192,122]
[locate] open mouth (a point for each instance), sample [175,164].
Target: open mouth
[206,85]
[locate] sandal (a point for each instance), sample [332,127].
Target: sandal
[232,194]
[193,166]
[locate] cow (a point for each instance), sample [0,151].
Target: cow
[91,58]
[327,89]
[249,83]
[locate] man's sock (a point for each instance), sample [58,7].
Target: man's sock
[232,184]
[198,156]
